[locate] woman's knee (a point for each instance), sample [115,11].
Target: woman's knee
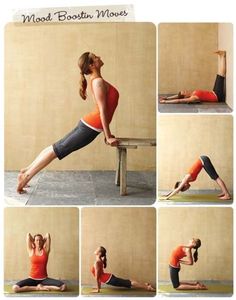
[15,288]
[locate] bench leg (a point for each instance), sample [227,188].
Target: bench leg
[118,158]
[123,169]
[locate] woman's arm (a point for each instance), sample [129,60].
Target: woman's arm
[98,270]
[183,100]
[47,242]
[29,243]
[99,89]
[178,189]
[189,259]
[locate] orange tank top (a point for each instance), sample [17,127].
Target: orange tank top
[39,266]
[195,169]
[176,255]
[205,96]
[104,278]
[93,119]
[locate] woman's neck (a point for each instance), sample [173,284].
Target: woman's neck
[96,73]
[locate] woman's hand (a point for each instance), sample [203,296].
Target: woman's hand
[112,141]
[162,101]
[96,290]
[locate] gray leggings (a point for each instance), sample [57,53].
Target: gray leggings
[34,282]
[78,138]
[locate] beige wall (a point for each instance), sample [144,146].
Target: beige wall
[182,139]
[225,40]
[61,223]
[214,226]
[128,234]
[41,89]
[185,56]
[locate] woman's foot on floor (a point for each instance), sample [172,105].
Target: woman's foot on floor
[22,179]
[225,197]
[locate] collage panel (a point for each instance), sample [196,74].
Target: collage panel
[195,159]
[41,251]
[118,252]
[195,258]
[46,68]
[195,67]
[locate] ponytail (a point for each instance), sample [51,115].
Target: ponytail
[83,86]
[104,260]
[195,256]
[84,63]
[103,256]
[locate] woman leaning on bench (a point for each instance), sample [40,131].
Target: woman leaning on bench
[106,100]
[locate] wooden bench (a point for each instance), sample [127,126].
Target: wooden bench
[121,161]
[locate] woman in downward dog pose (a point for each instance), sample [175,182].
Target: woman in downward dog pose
[176,259]
[216,95]
[38,248]
[202,162]
[110,279]
[106,100]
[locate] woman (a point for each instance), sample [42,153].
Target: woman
[192,174]
[176,259]
[38,248]
[216,95]
[106,99]
[110,279]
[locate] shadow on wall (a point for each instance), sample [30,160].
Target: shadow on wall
[63,226]
[214,226]
[180,146]
[41,77]
[128,234]
[186,64]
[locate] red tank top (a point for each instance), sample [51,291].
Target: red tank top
[176,255]
[104,278]
[93,119]
[39,266]
[195,169]
[205,96]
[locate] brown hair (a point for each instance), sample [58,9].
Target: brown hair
[198,245]
[84,62]
[103,256]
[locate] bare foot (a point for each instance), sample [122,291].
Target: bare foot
[40,287]
[201,287]
[150,288]
[220,195]
[225,197]
[22,171]
[220,52]
[22,182]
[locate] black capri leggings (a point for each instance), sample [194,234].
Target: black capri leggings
[78,138]
[33,282]
[115,281]
[208,167]
[174,276]
[219,88]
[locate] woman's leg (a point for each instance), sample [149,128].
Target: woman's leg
[188,286]
[26,285]
[225,195]
[41,161]
[222,62]
[145,286]
[53,285]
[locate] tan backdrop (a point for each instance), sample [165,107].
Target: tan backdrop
[42,102]
[63,226]
[182,139]
[128,234]
[186,59]
[214,226]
